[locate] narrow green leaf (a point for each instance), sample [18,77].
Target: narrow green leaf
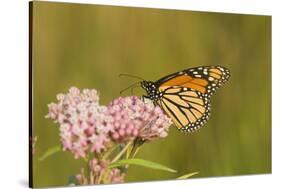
[188,175]
[50,152]
[141,162]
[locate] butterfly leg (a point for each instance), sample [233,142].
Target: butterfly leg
[145,98]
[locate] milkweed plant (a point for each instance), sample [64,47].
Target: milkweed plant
[108,137]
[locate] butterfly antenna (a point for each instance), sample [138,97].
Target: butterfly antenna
[133,76]
[133,85]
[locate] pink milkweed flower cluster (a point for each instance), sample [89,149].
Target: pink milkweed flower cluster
[131,117]
[82,120]
[86,126]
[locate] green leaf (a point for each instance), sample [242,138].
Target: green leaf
[141,162]
[188,175]
[50,152]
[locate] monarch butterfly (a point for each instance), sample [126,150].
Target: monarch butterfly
[185,96]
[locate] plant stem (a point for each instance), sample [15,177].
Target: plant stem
[135,152]
[91,178]
[108,153]
[131,153]
[122,152]
[136,146]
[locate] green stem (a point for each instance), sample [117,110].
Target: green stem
[108,153]
[137,144]
[104,177]
[132,152]
[135,152]
[122,152]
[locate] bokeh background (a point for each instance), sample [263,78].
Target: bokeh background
[88,46]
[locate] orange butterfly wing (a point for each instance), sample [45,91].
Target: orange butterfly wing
[186,95]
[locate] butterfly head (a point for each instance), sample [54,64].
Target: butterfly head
[150,89]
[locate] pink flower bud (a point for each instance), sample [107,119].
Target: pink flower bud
[121,132]
[115,136]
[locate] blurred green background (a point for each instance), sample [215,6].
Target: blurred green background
[88,46]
